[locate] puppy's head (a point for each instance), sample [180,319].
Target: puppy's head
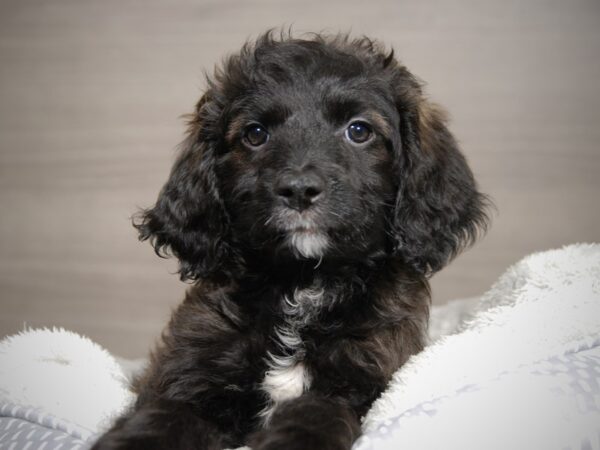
[314,149]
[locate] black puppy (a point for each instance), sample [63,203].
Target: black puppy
[316,192]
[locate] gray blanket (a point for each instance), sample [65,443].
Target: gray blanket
[23,428]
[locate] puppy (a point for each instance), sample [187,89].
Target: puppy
[315,193]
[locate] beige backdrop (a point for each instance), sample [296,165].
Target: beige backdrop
[90,98]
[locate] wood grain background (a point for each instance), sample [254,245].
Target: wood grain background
[90,98]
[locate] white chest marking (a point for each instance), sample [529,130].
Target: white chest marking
[287,376]
[286,382]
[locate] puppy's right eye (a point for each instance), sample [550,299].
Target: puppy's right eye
[359,132]
[255,135]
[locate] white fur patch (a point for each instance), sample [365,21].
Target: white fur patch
[287,377]
[309,244]
[304,235]
[287,381]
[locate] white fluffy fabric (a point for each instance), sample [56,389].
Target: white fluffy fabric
[545,306]
[63,374]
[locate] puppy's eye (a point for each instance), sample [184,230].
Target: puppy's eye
[359,132]
[255,135]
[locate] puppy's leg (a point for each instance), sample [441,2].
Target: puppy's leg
[196,393]
[311,421]
[161,425]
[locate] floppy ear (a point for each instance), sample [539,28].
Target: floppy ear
[189,219]
[438,209]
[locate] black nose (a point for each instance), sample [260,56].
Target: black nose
[299,191]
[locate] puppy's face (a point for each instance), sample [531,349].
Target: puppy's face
[314,149]
[306,164]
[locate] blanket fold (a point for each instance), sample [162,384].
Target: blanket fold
[470,389]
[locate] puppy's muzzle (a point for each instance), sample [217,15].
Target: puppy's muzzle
[300,190]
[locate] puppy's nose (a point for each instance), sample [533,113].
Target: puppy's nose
[299,191]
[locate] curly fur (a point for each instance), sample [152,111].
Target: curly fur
[298,317]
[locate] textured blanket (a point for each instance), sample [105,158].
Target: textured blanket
[57,390]
[522,372]
[519,369]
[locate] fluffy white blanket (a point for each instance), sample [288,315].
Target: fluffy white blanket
[64,375]
[547,305]
[495,382]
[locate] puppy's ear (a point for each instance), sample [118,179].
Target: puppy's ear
[438,209]
[189,219]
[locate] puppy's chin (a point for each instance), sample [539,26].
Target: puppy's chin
[303,236]
[308,243]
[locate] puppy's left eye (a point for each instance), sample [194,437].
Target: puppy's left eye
[255,135]
[359,132]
